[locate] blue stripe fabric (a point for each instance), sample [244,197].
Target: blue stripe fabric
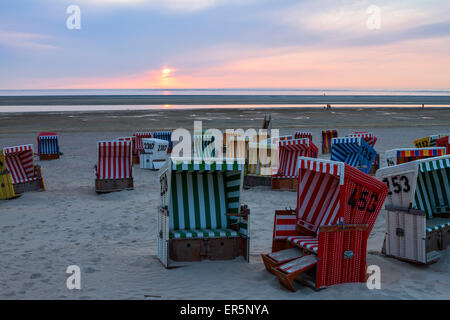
[48,145]
[164,135]
[353,151]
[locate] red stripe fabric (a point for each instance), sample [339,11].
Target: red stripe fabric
[19,161]
[114,159]
[138,139]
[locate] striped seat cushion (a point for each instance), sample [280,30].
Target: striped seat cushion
[306,242]
[202,233]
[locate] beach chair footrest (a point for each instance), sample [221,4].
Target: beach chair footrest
[289,271]
[275,259]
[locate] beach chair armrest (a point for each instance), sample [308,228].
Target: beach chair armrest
[344,227]
[405,209]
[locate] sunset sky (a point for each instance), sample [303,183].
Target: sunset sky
[320,44]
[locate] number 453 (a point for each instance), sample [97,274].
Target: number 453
[364,203]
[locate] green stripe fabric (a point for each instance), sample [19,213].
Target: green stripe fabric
[200,200]
[442,226]
[206,166]
[433,187]
[204,233]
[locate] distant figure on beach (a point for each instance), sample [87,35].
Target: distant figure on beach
[423,105]
[328,106]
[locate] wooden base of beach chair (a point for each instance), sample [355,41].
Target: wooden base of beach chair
[37,185]
[44,157]
[376,165]
[185,250]
[288,184]
[253,181]
[445,237]
[136,159]
[275,259]
[433,241]
[112,185]
[289,271]
[6,187]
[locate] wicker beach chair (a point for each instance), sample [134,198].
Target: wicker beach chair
[418,209]
[327,135]
[200,215]
[403,155]
[286,177]
[429,141]
[24,174]
[444,142]
[153,154]
[323,241]
[137,144]
[165,135]
[114,169]
[353,151]
[6,185]
[367,136]
[48,146]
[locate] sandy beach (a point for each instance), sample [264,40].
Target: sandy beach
[112,237]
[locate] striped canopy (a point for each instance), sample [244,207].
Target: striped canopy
[183,164]
[164,135]
[331,191]
[303,134]
[424,184]
[48,145]
[138,139]
[327,135]
[403,155]
[353,151]
[289,151]
[114,160]
[367,136]
[259,160]
[19,162]
[200,196]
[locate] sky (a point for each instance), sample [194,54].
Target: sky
[310,44]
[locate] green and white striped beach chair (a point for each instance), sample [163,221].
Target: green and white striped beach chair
[418,204]
[200,214]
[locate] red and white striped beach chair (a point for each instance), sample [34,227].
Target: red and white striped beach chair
[25,175]
[325,237]
[138,146]
[114,169]
[303,134]
[367,136]
[286,177]
[444,142]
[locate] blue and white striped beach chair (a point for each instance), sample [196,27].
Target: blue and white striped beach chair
[353,151]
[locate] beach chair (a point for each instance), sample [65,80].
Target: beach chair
[323,241]
[403,155]
[6,185]
[429,141]
[353,151]
[286,177]
[114,169]
[154,153]
[327,135]
[258,167]
[165,135]
[137,145]
[367,136]
[303,135]
[200,215]
[48,146]
[418,209]
[445,143]
[24,174]
[204,146]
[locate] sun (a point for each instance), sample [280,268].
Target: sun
[166,72]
